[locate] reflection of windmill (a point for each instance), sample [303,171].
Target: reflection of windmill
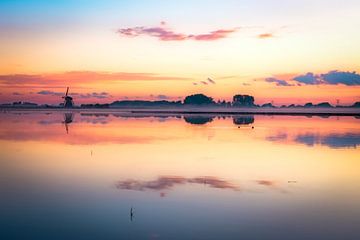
[68,101]
[68,118]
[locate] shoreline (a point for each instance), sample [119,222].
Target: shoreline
[205,111]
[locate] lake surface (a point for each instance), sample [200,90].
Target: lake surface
[123,176]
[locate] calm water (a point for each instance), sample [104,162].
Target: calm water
[77,176]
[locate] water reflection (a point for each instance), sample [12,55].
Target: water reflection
[68,118]
[243,120]
[123,128]
[215,180]
[198,120]
[332,140]
[168,182]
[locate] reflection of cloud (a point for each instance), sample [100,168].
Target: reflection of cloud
[163,33]
[213,182]
[167,182]
[267,183]
[333,140]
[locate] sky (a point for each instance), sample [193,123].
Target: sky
[278,51]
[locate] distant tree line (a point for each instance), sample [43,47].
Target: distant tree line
[238,100]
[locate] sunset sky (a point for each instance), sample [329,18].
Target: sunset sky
[276,50]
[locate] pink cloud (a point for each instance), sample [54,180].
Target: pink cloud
[165,34]
[214,35]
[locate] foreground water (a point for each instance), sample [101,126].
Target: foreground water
[123,176]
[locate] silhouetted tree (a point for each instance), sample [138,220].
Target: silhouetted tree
[309,104]
[198,99]
[267,105]
[243,101]
[356,104]
[324,104]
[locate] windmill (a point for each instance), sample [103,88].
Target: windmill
[68,101]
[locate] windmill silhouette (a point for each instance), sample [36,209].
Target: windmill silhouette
[68,101]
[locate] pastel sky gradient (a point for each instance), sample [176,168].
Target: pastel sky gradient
[277,50]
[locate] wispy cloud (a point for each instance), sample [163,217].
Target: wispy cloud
[160,96]
[100,95]
[205,82]
[51,93]
[211,81]
[79,77]
[164,33]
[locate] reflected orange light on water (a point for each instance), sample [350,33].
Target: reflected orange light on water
[103,149]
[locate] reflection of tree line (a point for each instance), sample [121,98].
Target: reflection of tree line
[237,120]
[332,140]
[192,119]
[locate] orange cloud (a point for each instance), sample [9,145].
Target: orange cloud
[265,35]
[79,77]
